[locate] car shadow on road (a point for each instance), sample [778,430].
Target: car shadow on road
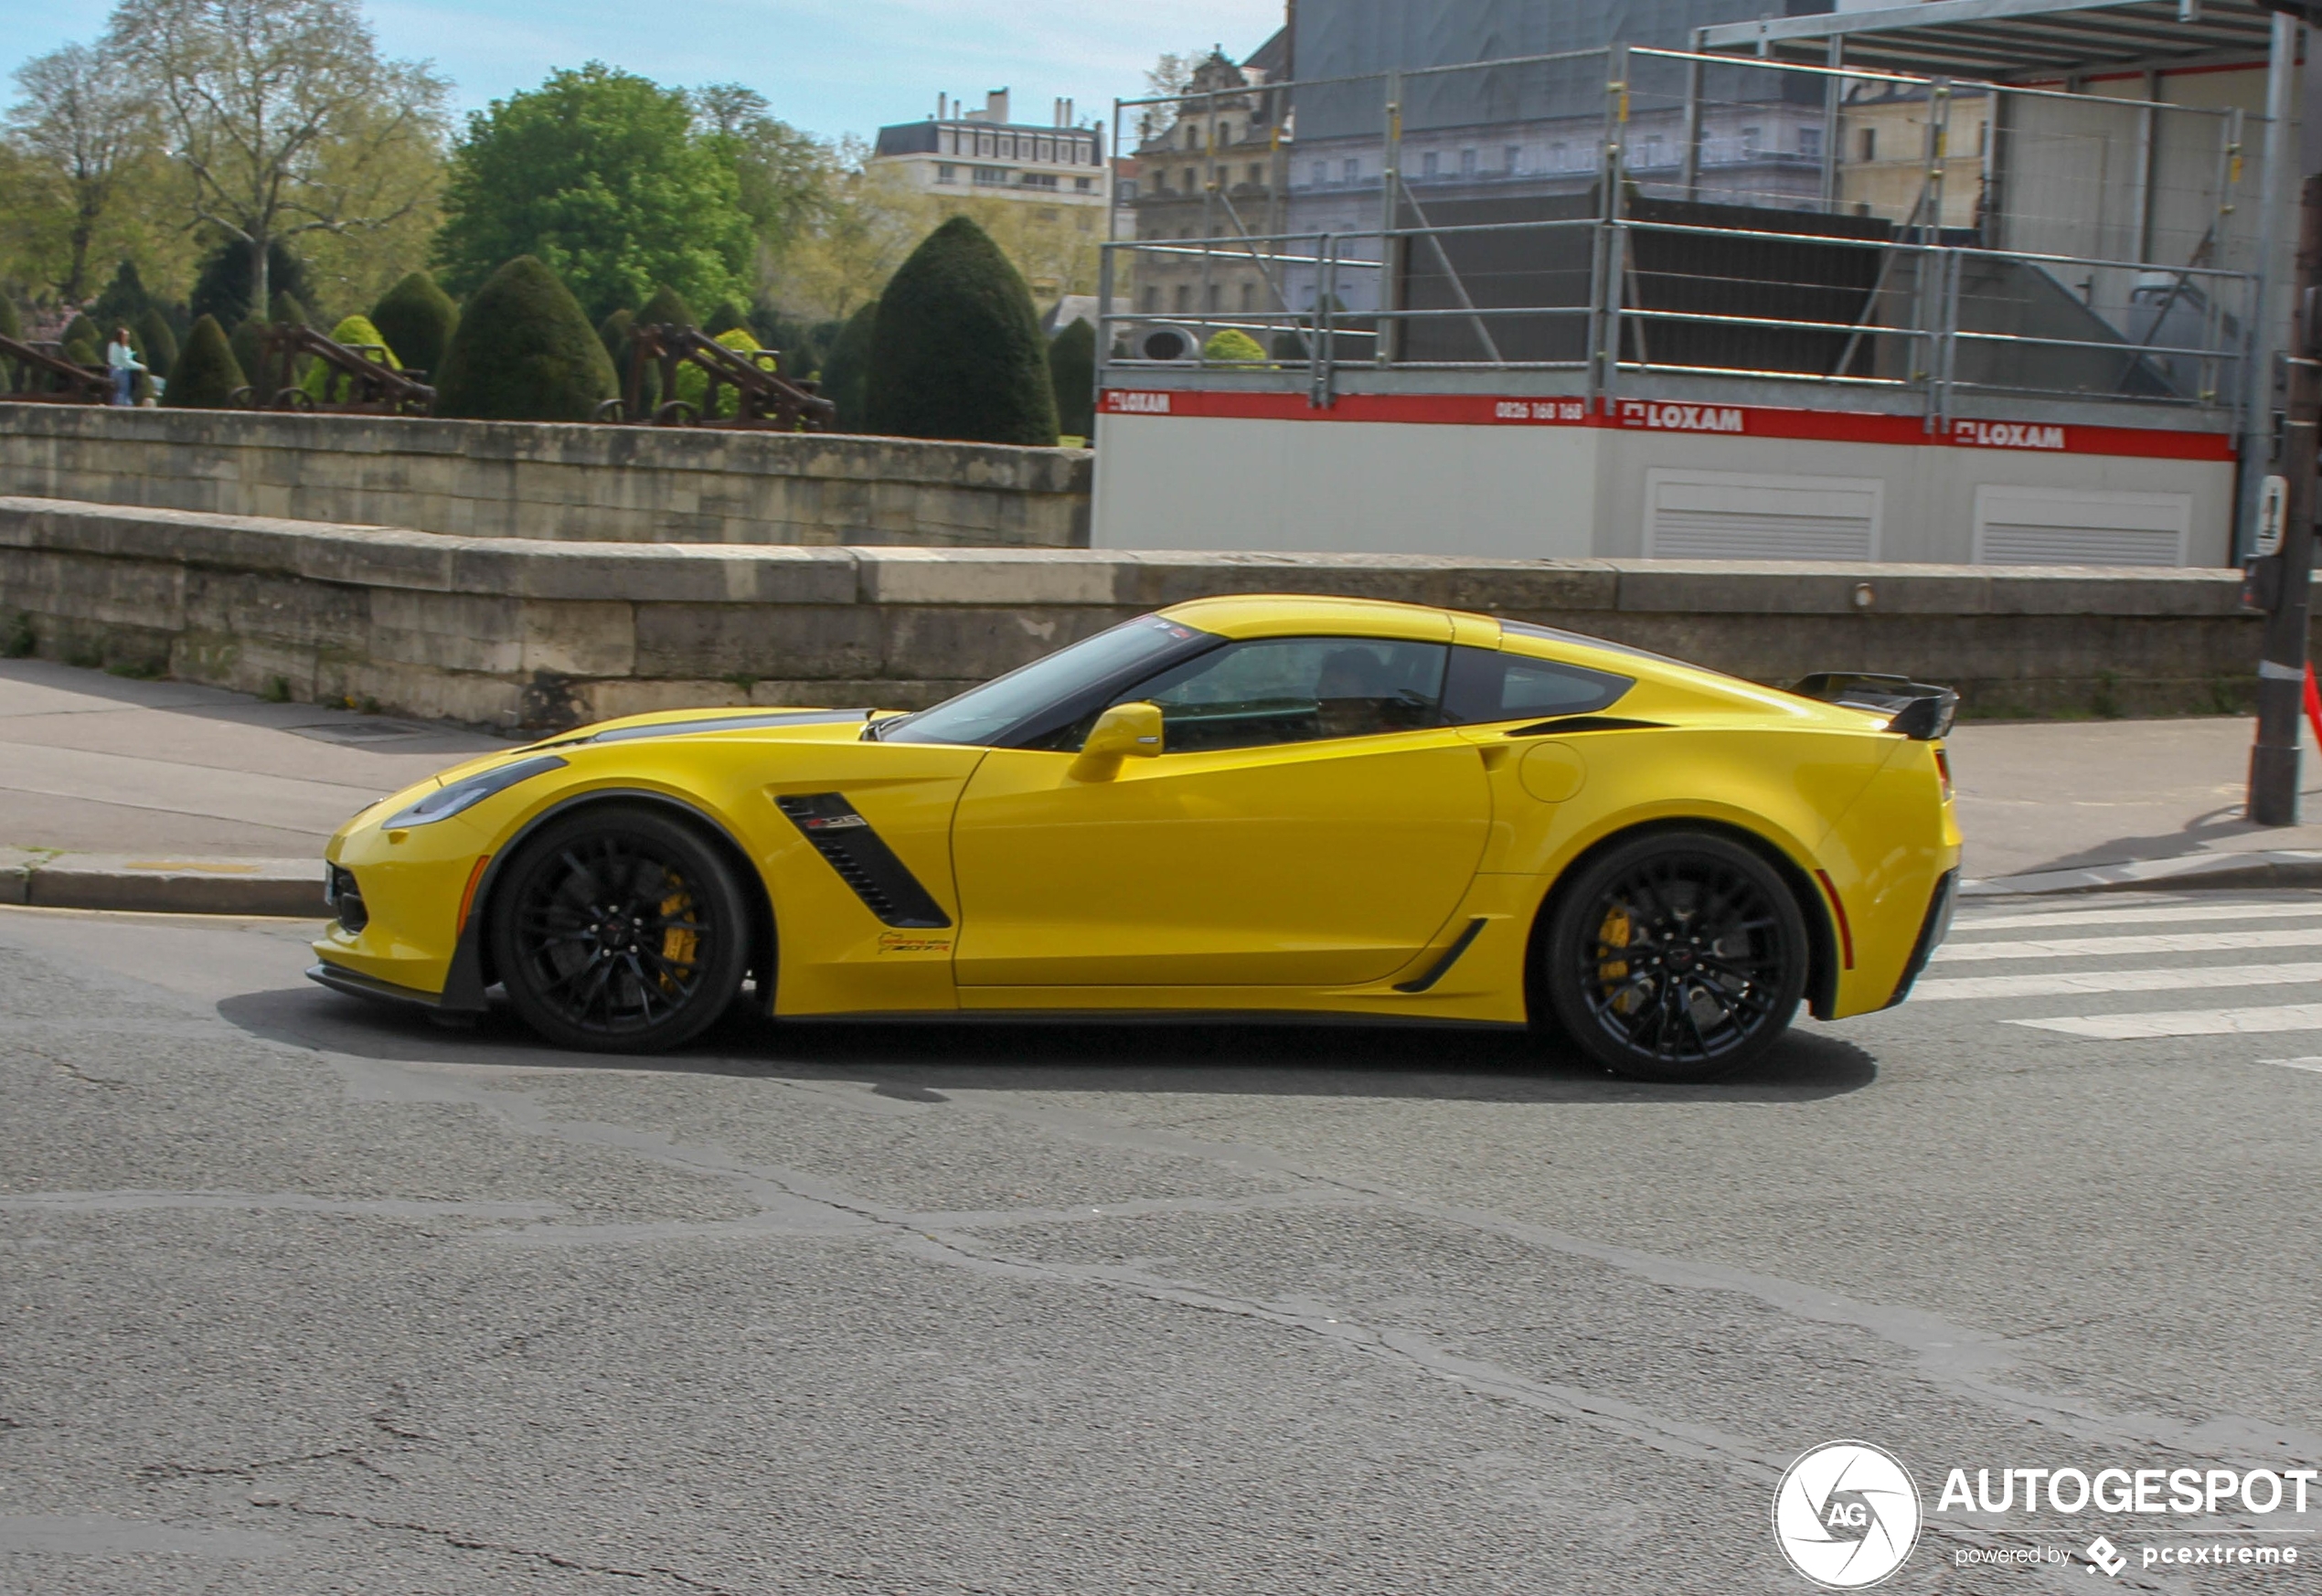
[920,1060]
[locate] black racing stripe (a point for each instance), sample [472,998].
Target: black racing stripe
[863,860]
[1585,723]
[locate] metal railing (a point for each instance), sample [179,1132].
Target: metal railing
[1911,234]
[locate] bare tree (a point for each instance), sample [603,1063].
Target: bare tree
[83,125]
[284,116]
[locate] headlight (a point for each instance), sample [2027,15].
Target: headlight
[446,801]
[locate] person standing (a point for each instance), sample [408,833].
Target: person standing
[121,359]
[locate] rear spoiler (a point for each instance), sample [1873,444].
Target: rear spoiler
[1919,710]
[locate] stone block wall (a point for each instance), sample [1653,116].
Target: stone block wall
[510,631]
[560,483]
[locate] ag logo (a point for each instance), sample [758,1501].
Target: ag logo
[1845,1515]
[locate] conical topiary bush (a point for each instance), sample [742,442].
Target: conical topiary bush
[1072,375]
[667,305]
[416,319]
[847,370]
[957,351]
[207,374]
[524,352]
[249,343]
[156,343]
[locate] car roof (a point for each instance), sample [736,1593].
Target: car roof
[1298,614]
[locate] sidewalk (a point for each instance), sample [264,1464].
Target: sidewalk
[125,794]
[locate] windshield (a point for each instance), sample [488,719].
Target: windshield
[1021,706]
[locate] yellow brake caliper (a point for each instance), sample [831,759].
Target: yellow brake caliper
[1614,933]
[677,947]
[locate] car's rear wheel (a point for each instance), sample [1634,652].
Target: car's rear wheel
[1679,957]
[619,931]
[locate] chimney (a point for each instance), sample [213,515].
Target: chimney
[996,105]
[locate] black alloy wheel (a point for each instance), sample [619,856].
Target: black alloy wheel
[1677,957]
[618,931]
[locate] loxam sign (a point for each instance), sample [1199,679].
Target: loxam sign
[1666,418]
[2006,436]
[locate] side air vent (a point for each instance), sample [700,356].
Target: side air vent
[863,860]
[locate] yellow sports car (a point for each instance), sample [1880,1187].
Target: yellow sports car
[1236,806]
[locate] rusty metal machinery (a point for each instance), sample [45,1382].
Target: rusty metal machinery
[766,400]
[357,380]
[43,376]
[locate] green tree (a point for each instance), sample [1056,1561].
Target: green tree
[1072,374]
[83,124]
[124,298]
[207,374]
[157,342]
[956,351]
[416,319]
[223,286]
[601,175]
[524,352]
[11,326]
[782,176]
[282,117]
[724,319]
[80,332]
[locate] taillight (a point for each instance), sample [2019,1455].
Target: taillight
[1942,768]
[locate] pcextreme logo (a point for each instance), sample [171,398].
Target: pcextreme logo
[1845,1515]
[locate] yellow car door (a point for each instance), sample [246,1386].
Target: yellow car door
[1307,822]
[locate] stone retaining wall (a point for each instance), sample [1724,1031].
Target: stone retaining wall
[514,479]
[508,631]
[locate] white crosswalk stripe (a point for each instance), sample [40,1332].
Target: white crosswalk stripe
[2123,955]
[2218,941]
[2187,1022]
[2182,978]
[2150,914]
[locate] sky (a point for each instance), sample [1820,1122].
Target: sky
[830,67]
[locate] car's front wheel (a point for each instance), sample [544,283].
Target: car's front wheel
[1678,956]
[619,931]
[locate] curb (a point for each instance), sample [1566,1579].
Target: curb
[124,883]
[2184,872]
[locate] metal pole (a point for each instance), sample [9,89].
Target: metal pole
[2257,364]
[1830,92]
[1613,255]
[1690,178]
[1388,344]
[2281,670]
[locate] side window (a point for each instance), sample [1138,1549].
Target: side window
[1296,689]
[1486,685]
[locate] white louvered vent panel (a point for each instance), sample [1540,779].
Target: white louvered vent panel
[2007,543]
[2029,525]
[1719,515]
[1726,535]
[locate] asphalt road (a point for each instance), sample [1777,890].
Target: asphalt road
[305,1297]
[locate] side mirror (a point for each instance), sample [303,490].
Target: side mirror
[1124,731]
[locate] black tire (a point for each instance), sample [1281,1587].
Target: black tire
[619,931]
[1677,957]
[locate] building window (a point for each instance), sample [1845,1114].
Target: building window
[1257,173]
[1085,185]
[1353,170]
[1467,165]
[1869,145]
[1152,300]
[1037,180]
[1810,143]
[1046,151]
[1128,190]
[1515,159]
[1184,297]
[947,173]
[1652,151]
[1249,296]
[1212,297]
[991,176]
[1431,164]
[1191,186]
[1192,136]
[1751,137]
[1560,156]
[1322,174]
[1225,133]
